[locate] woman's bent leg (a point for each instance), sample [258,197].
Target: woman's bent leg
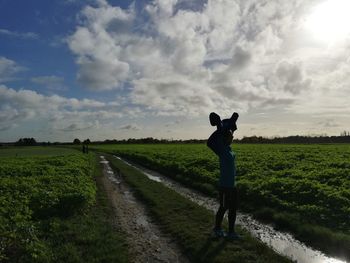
[219,217]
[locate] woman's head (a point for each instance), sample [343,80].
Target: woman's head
[227,137]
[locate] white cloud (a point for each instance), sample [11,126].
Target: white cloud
[8,68]
[329,123]
[78,126]
[132,126]
[32,100]
[54,112]
[25,35]
[290,77]
[100,74]
[187,61]
[183,59]
[101,67]
[50,82]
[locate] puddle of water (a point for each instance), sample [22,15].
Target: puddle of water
[283,243]
[142,221]
[129,197]
[109,171]
[149,175]
[154,178]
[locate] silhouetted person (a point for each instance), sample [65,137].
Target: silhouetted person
[220,142]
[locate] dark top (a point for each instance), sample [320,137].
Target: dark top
[226,157]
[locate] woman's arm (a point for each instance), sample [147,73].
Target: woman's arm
[215,142]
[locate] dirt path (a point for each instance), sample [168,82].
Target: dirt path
[146,242]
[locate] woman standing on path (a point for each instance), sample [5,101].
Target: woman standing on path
[220,142]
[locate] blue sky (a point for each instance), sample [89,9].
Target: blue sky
[44,53]
[119,69]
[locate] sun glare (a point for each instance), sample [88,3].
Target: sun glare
[330,20]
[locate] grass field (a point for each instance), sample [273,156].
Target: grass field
[301,188]
[52,209]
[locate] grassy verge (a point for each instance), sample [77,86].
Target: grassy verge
[191,224]
[329,241]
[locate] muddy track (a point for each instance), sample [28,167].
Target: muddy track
[145,240]
[283,243]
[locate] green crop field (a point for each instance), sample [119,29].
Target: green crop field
[48,209]
[33,151]
[301,188]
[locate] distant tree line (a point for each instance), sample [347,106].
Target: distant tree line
[85,142]
[343,138]
[251,139]
[148,140]
[26,142]
[297,139]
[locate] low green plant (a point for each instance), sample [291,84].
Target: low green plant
[49,213]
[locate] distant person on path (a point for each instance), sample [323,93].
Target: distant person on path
[85,148]
[220,142]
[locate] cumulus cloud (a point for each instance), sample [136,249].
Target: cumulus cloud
[8,68]
[180,58]
[33,100]
[60,113]
[186,58]
[100,74]
[291,77]
[99,55]
[240,58]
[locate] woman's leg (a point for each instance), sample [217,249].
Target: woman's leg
[221,211]
[232,212]
[219,217]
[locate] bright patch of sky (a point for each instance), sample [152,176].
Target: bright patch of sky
[119,69]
